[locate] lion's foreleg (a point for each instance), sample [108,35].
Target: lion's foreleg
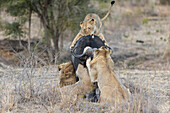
[91,73]
[103,39]
[79,35]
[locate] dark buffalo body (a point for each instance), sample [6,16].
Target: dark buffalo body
[79,46]
[82,43]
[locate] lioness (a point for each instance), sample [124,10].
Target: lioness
[67,74]
[91,26]
[83,86]
[100,70]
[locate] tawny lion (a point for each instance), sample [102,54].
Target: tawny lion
[81,87]
[100,70]
[67,74]
[92,26]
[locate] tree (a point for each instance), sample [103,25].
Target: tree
[55,15]
[15,30]
[20,9]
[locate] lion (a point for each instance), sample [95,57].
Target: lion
[100,71]
[67,74]
[81,87]
[92,26]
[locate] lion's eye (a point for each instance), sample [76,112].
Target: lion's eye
[67,76]
[89,28]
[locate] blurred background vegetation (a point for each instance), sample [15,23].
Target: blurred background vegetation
[57,21]
[55,15]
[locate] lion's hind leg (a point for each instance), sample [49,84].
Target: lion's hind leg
[110,95]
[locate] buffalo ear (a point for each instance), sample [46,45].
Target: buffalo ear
[81,24]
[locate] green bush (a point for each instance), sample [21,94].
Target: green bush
[14,29]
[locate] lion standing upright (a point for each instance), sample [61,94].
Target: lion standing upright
[100,71]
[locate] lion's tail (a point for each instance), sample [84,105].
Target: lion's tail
[107,14]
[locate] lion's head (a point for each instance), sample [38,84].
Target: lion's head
[101,53]
[67,74]
[89,27]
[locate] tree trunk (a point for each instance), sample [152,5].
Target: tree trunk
[0,12]
[20,44]
[56,41]
[61,42]
[52,45]
[55,47]
[48,33]
[54,38]
[29,33]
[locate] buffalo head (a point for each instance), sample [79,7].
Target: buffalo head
[78,56]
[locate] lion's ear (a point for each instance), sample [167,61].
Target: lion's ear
[103,47]
[81,24]
[92,21]
[60,67]
[96,52]
[108,50]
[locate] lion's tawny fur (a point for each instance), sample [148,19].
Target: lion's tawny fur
[81,87]
[67,74]
[100,70]
[91,26]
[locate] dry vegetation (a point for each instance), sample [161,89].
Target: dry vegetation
[32,89]
[138,65]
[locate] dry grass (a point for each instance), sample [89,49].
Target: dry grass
[32,89]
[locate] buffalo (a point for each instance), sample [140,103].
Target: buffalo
[77,56]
